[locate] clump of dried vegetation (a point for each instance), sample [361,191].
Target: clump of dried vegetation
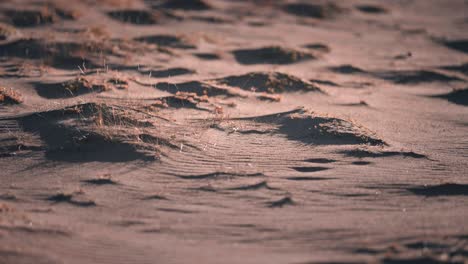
[9,96]
[192,97]
[179,99]
[81,83]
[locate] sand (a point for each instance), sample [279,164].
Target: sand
[233,131]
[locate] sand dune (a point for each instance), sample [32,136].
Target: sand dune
[215,131]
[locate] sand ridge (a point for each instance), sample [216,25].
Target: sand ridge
[255,131]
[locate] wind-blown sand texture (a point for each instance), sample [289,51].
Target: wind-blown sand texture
[216,131]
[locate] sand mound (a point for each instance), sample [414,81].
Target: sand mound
[324,82]
[75,199]
[268,82]
[309,128]
[70,55]
[409,250]
[255,186]
[346,69]
[94,132]
[72,88]
[7,32]
[180,100]
[319,11]
[446,189]
[137,17]
[30,18]
[207,56]
[270,55]
[281,202]
[167,41]
[143,131]
[406,77]
[26,48]
[365,153]
[219,175]
[414,77]
[198,88]
[63,55]
[459,45]
[37,17]
[176,71]
[463,68]
[318,47]
[211,19]
[371,9]
[185,4]
[458,96]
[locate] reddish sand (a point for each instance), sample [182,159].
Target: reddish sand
[190,131]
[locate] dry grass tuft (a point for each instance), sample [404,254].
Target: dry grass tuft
[192,97]
[84,84]
[9,96]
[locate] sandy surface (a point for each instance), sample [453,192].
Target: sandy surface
[233,131]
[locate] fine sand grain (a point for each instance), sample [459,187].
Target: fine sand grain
[216,131]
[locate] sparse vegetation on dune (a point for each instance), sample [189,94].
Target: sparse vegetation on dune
[10,96]
[246,131]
